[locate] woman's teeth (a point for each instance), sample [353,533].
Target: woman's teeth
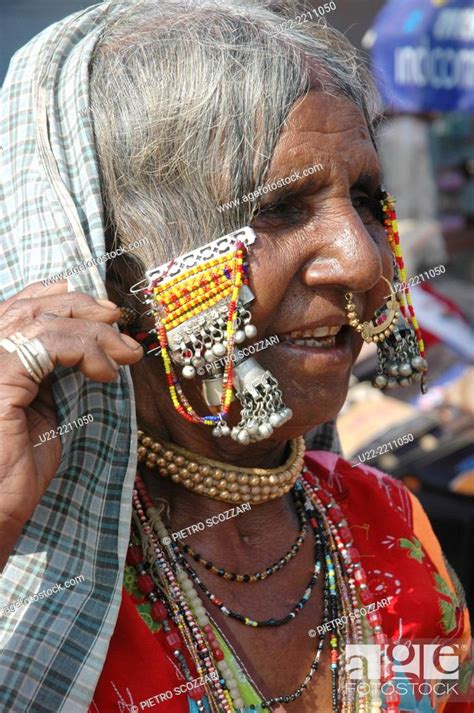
[316,332]
[325,342]
[318,337]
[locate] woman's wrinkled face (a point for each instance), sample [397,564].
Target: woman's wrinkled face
[319,237]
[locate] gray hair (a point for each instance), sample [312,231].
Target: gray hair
[188,99]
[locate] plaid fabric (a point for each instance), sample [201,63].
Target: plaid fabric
[53,649]
[324,438]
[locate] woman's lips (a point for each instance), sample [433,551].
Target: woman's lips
[325,337]
[334,349]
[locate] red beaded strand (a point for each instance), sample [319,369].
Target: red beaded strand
[142,503]
[391,230]
[354,572]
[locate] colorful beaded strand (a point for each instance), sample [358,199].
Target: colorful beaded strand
[391,226]
[174,581]
[342,604]
[159,612]
[355,571]
[164,570]
[173,639]
[160,295]
[346,584]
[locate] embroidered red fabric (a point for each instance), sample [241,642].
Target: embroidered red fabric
[137,669]
[402,560]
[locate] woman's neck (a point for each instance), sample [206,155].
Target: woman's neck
[247,534]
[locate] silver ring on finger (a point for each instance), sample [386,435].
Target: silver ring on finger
[32,354]
[37,350]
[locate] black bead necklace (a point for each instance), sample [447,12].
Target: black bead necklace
[267,622]
[179,549]
[267,704]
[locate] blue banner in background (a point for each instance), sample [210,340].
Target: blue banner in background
[423,55]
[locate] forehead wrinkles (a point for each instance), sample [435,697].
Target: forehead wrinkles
[350,158]
[324,112]
[326,129]
[359,158]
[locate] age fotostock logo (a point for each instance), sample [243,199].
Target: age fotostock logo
[425,667]
[424,661]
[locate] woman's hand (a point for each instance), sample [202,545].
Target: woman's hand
[76,331]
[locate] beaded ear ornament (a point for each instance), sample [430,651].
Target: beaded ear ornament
[394,328]
[200,305]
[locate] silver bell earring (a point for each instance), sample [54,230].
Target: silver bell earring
[399,362]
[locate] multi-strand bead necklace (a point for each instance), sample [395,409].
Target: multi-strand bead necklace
[166,578]
[248,621]
[167,571]
[255,576]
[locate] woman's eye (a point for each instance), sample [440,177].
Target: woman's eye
[282,208]
[369,208]
[281,214]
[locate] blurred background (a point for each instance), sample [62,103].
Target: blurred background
[422,56]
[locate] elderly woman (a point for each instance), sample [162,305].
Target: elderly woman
[165,540]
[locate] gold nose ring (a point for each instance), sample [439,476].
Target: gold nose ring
[385,318]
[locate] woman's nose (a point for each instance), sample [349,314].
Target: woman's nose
[344,254]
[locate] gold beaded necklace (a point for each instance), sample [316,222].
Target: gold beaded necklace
[218,480]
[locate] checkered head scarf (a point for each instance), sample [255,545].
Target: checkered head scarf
[53,648]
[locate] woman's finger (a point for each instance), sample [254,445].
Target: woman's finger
[73,305]
[95,348]
[35,289]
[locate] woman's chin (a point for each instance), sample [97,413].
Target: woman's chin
[303,422]
[318,403]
